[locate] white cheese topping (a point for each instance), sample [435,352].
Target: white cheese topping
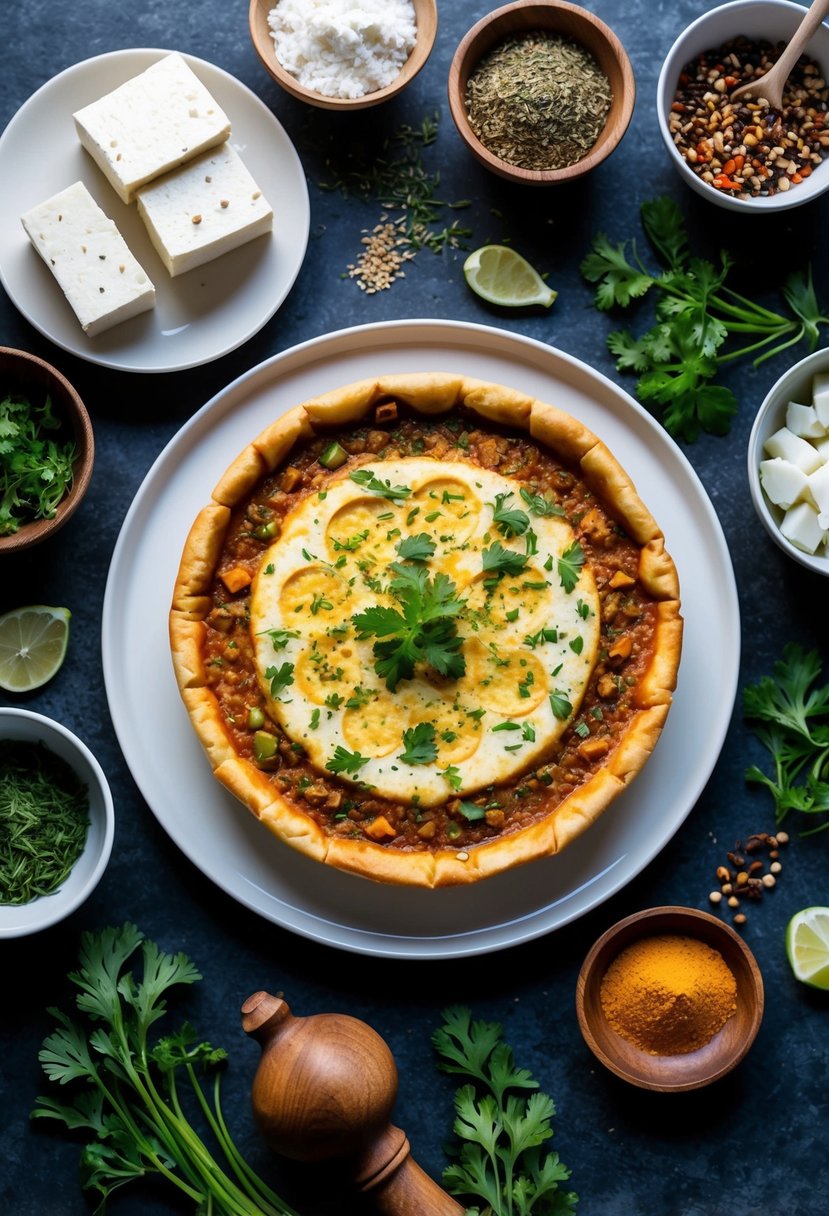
[89,258]
[529,638]
[151,123]
[796,477]
[204,209]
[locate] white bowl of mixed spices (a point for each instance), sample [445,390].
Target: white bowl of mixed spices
[56,818]
[746,157]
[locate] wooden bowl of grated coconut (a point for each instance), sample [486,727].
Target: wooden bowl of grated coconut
[321,62]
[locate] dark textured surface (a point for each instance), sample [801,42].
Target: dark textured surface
[753,1143]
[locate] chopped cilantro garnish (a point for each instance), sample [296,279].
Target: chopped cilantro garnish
[499,561]
[366,479]
[577,644]
[416,548]
[539,505]
[279,637]
[280,678]
[360,697]
[509,521]
[569,566]
[506,726]
[344,761]
[315,720]
[419,744]
[452,777]
[544,635]
[560,705]
[423,629]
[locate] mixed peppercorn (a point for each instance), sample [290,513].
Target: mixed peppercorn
[746,149]
[746,876]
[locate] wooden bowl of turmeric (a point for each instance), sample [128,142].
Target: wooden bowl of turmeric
[670,999]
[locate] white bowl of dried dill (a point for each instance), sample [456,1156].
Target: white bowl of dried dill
[57,822]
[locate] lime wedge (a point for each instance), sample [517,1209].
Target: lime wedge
[807,945]
[500,275]
[33,644]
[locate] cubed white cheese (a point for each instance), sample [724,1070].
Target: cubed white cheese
[802,420]
[783,483]
[818,484]
[203,210]
[820,396]
[86,253]
[150,124]
[821,446]
[788,446]
[801,526]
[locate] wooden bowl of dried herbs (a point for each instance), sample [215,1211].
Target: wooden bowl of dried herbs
[47,452]
[541,91]
[56,817]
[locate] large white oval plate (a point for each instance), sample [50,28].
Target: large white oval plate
[241,856]
[198,316]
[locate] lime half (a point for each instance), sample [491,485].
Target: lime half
[807,945]
[500,275]
[33,644]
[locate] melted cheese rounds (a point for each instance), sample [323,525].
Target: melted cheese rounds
[530,638]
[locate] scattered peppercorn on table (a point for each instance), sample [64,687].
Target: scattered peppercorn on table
[628,1151]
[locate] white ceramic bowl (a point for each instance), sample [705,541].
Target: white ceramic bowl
[794,385]
[20,919]
[767,20]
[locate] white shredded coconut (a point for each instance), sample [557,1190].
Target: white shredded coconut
[343,48]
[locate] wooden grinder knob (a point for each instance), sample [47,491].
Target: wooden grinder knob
[324,1089]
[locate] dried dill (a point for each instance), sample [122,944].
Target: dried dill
[44,818]
[538,101]
[397,179]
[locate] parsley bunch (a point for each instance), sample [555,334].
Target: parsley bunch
[697,313]
[130,1100]
[500,1160]
[791,717]
[422,629]
[35,467]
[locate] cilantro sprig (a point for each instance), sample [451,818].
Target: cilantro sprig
[129,1094]
[697,313]
[501,1161]
[791,717]
[383,489]
[423,628]
[419,745]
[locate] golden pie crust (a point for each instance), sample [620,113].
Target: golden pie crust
[426,394]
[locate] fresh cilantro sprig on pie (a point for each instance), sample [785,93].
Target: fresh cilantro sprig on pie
[423,628]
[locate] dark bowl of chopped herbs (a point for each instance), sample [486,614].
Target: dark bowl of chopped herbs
[541,91]
[57,822]
[46,450]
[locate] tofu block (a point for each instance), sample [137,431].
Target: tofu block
[818,485]
[821,446]
[788,446]
[89,258]
[801,526]
[820,396]
[150,124]
[783,483]
[802,420]
[208,207]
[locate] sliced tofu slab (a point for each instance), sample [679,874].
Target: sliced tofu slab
[204,209]
[101,279]
[150,124]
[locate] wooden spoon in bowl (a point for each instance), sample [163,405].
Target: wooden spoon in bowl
[770,86]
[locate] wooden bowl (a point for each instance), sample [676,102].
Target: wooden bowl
[555,17]
[23,373]
[426,17]
[671,1073]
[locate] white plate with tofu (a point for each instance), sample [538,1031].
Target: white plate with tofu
[220,237]
[788,462]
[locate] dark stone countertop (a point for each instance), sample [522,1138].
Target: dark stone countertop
[755,1141]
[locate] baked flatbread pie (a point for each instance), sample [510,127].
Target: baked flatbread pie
[426,630]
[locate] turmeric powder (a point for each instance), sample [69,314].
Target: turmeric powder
[668,995]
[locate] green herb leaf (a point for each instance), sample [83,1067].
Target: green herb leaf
[560,705]
[424,629]
[569,566]
[368,481]
[419,744]
[130,1094]
[344,761]
[416,548]
[280,678]
[499,561]
[791,718]
[279,637]
[510,521]
[500,1161]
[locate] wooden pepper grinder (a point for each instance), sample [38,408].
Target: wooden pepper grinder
[324,1089]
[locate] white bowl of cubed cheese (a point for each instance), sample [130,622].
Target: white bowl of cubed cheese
[788,462]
